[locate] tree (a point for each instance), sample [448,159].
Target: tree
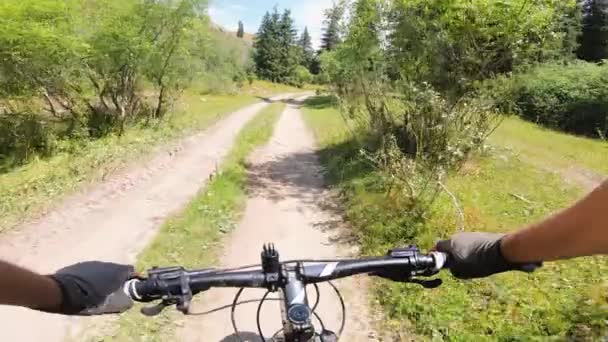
[358,60]
[83,69]
[276,52]
[332,31]
[289,53]
[266,47]
[454,44]
[241,30]
[305,45]
[594,38]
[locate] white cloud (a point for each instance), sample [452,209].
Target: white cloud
[219,16]
[228,16]
[237,8]
[310,13]
[224,16]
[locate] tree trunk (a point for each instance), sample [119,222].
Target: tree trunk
[161,100]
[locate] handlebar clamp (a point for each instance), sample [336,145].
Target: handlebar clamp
[404,252]
[271,267]
[182,300]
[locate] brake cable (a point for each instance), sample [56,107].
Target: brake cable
[264,298]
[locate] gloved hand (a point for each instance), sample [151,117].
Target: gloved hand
[93,288]
[478,255]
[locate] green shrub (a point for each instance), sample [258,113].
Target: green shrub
[300,76]
[21,137]
[571,98]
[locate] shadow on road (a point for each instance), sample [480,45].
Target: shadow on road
[265,99]
[299,176]
[290,101]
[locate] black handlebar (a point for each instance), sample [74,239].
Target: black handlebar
[176,285]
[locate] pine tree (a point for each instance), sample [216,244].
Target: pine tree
[594,38]
[276,52]
[289,56]
[241,31]
[332,31]
[265,57]
[305,45]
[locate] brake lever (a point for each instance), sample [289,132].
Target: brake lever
[155,310]
[181,300]
[408,278]
[427,284]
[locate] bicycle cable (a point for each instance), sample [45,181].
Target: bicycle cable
[343,308]
[236,302]
[232,316]
[257,316]
[318,299]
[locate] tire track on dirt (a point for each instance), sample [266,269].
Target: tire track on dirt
[112,221]
[287,205]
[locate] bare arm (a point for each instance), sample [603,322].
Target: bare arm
[580,230]
[20,287]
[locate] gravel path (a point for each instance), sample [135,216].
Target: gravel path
[112,221]
[287,205]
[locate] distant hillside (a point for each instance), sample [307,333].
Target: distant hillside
[247,38]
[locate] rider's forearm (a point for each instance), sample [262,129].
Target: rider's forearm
[20,287]
[580,230]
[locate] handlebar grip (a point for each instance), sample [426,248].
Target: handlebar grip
[130,289]
[139,291]
[441,260]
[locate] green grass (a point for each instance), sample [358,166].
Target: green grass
[190,238]
[545,147]
[34,188]
[562,299]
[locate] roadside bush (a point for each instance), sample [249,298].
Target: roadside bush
[23,136]
[415,134]
[416,137]
[301,76]
[571,98]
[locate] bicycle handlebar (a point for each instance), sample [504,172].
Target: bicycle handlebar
[175,282]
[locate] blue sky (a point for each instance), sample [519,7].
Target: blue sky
[309,13]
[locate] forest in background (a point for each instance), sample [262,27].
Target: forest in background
[512,50]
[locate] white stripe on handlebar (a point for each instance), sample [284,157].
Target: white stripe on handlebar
[328,269]
[130,289]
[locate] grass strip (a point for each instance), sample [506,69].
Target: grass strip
[191,238]
[551,149]
[564,300]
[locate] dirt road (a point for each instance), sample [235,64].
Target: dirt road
[289,206]
[112,221]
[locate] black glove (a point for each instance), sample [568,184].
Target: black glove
[93,288]
[478,255]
